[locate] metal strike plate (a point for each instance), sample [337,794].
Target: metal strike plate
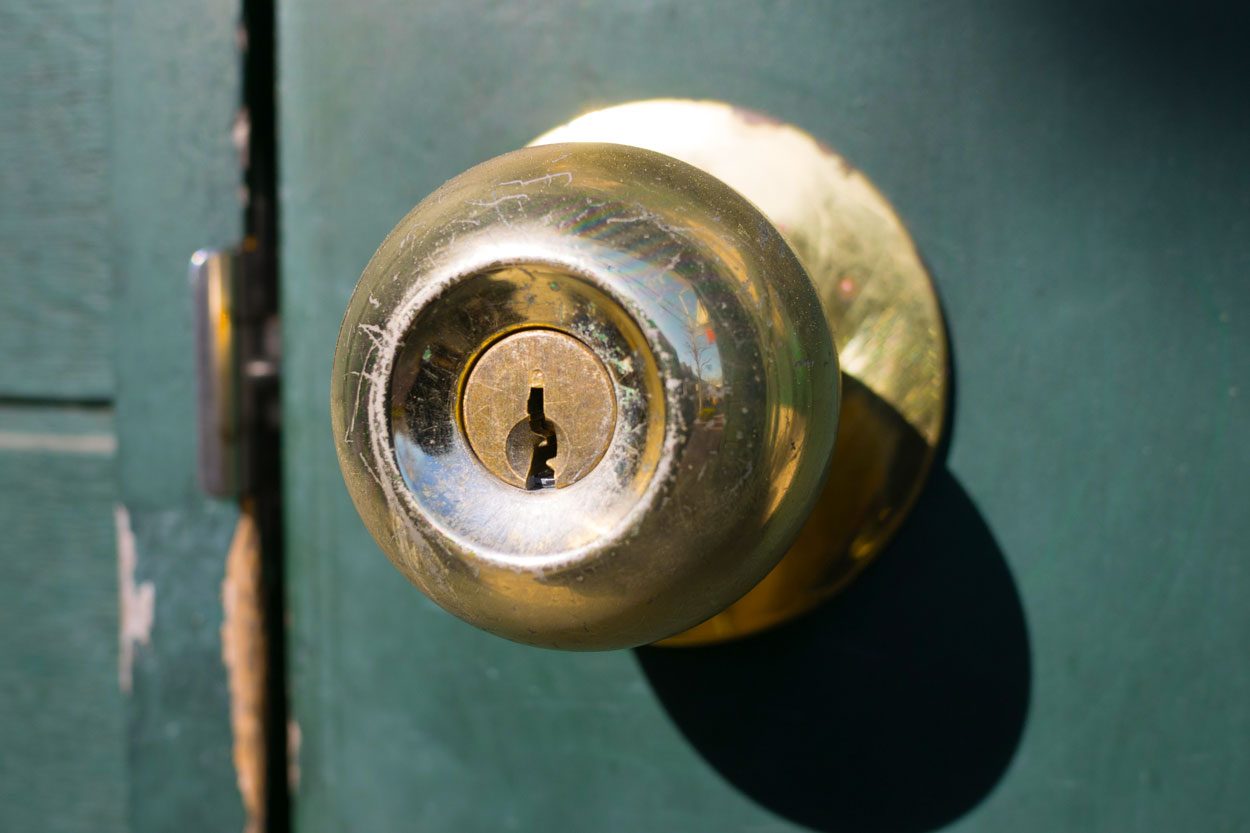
[212,274]
[236,354]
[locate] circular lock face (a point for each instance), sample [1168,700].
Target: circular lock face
[441,397]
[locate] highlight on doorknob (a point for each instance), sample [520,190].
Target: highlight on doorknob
[586,394]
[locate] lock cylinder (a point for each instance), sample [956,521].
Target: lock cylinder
[539,409]
[584,396]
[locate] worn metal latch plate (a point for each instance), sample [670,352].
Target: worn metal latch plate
[237,355]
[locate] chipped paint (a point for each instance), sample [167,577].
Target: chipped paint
[243,652]
[136,603]
[103,444]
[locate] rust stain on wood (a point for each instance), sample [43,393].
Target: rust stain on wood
[243,652]
[293,741]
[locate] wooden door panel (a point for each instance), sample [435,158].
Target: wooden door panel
[55,279]
[64,721]
[174,175]
[116,161]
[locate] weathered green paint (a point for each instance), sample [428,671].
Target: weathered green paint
[115,164]
[175,179]
[118,163]
[63,724]
[54,207]
[1058,641]
[62,714]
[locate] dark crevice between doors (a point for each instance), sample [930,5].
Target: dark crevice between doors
[260,177]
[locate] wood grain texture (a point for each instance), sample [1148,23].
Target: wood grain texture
[54,206]
[115,164]
[62,719]
[1075,176]
[175,175]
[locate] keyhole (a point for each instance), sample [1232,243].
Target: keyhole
[541,475]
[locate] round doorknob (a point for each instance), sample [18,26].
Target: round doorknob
[586,396]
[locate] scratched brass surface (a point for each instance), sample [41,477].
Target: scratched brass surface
[725,380]
[532,377]
[880,304]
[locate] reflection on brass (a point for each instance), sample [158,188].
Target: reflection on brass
[538,409]
[214,279]
[721,366]
[585,395]
[879,303]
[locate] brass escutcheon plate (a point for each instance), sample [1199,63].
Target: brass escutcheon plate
[881,307]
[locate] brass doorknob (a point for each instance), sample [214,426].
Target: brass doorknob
[586,395]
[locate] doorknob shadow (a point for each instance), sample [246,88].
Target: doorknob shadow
[893,708]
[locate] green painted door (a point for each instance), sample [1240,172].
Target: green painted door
[1056,641]
[116,162]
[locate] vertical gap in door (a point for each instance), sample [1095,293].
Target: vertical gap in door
[259,36]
